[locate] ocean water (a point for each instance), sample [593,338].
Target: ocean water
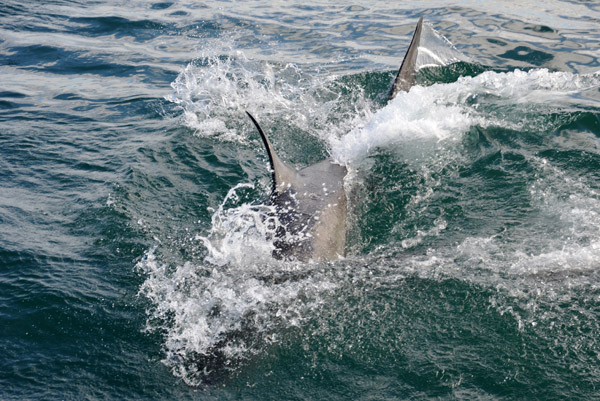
[134,258]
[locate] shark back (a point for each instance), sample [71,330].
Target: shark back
[321,199]
[311,203]
[311,207]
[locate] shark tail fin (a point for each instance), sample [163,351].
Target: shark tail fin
[407,73]
[282,173]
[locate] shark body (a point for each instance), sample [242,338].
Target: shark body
[311,203]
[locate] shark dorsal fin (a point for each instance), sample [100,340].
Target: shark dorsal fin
[283,175]
[407,73]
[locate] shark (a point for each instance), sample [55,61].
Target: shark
[311,203]
[311,209]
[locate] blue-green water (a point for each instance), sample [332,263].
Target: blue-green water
[133,259]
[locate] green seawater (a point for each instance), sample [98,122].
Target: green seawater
[134,262]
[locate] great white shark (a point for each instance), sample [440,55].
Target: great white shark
[311,203]
[311,207]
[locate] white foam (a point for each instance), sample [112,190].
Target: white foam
[240,234]
[430,114]
[239,287]
[214,93]
[210,92]
[446,111]
[234,301]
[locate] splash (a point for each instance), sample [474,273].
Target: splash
[215,318]
[212,89]
[218,314]
[241,234]
[214,92]
[238,301]
[444,112]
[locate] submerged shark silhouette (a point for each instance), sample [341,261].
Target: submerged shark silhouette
[311,203]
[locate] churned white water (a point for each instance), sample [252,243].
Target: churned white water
[239,298]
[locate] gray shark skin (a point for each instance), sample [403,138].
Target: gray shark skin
[311,203]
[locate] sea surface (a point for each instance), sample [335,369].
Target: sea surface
[135,262]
